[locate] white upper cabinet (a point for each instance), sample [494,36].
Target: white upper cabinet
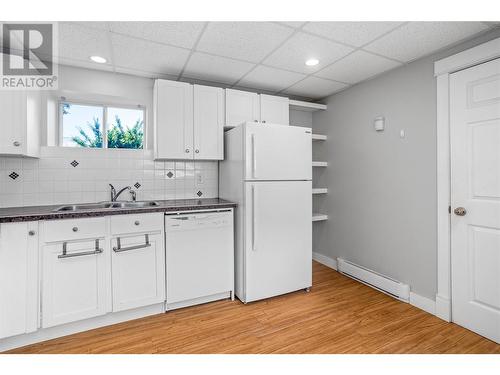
[173,120]
[189,121]
[241,106]
[20,116]
[18,278]
[208,123]
[274,109]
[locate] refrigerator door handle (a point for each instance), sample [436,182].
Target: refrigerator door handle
[254,157]
[254,218]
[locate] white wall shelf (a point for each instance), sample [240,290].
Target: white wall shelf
[300,105]
[319,217]
[320,164]
[319,137]
[320,191]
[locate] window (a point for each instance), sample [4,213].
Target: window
[98,126]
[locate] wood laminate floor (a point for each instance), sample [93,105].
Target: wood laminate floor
[339,315]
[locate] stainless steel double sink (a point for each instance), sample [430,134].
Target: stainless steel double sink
[106,205]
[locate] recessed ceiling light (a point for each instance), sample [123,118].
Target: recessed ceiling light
[98,59]
[312,62]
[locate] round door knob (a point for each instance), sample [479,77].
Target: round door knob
[460,211]
[197,151]
[75,229]
[137,222]
[31,232]
[263,121]
[16,143]
[187,150]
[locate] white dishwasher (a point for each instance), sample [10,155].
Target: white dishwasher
[200,257]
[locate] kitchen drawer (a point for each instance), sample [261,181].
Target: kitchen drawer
[74,229]
[133,223]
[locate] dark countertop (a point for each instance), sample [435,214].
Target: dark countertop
[34,213]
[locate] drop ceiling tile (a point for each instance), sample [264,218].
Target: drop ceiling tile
[215,68]
[315,88]
[147,56]
[293,54]
[417,39]
[264,77]
[356,67]
[294,24]
[353,33]
[180,34]
[250,41]
[78,42]
[100,25]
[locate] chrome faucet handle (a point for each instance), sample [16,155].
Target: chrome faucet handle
[113,192]
[133,194]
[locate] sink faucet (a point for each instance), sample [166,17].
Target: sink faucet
[115,195]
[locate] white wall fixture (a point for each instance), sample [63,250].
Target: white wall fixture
[379,123]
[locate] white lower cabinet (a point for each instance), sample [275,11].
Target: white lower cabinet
[18,278]
[138,269]
[74,281]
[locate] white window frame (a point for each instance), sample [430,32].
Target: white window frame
[442,70]
[105,107]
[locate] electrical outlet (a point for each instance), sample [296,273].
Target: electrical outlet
[199,178]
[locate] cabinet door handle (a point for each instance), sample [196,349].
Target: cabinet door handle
[263,121]
[118,248]
[197,151]
[187,150]
[65,254]
[16,143]
[31,232]
[75,229]
[137,222]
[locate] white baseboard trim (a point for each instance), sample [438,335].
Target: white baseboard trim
[423,303]
[325,260]
[443,308]
[420,302]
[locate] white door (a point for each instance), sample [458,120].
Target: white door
[274,109]
[173,122]
[278,152]
[278,238]
[208,123]
[138,269]
[18,278]
[475,166]
[241,106]
[12,121]
[74,287]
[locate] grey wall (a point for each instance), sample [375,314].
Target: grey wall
[382,189]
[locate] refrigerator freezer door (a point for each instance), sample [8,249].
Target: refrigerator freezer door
[278,250]
[277,152]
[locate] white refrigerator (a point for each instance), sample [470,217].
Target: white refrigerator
[267,171]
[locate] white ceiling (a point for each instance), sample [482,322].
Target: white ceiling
[265,56]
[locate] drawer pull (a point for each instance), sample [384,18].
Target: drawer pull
[137,222]
[31,232]
[119,248]
[71,255]
[75,229]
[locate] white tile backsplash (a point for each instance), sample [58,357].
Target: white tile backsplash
[53,180]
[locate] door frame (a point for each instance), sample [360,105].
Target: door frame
[442,70]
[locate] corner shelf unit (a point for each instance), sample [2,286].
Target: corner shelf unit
[319,217]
